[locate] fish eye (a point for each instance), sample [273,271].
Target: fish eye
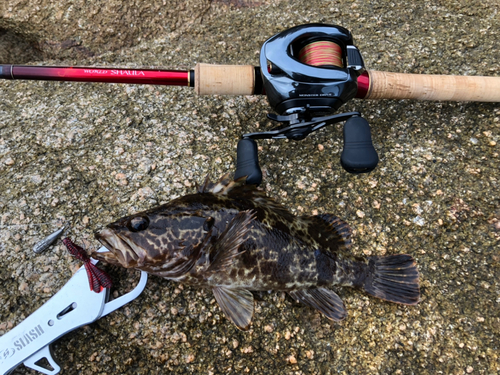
[138,223]
[208,224]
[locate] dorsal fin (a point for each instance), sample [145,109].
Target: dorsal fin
[223,186]
[240,190]
[332,230]
[340,227]
[206,185]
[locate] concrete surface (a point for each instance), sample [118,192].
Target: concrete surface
[90,153]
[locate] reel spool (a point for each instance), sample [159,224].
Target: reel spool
[321,53]
[308,72]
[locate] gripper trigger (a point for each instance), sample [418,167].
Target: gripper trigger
[35,360]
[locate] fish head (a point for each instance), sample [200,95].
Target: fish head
[156,240]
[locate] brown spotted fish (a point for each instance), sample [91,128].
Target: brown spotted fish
[232,238]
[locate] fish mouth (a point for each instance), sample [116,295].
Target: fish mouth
[121,250]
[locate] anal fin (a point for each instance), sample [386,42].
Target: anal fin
[237,305]
[323,300]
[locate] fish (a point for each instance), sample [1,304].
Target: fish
[232,238]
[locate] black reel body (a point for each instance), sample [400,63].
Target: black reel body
[308,72]
[291,83]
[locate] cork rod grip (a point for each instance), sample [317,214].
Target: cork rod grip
[224,79]
[385,85]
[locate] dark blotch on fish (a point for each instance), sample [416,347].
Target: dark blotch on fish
[232,238]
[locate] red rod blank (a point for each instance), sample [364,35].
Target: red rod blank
[92,74]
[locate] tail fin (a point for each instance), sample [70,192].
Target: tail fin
[393,278]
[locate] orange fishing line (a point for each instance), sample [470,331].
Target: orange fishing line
[321,53]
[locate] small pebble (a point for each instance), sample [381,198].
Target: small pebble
[9,161]
[268,328]
[120,176]
[23,286]
[292,359]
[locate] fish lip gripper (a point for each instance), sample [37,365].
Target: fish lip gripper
[73,306]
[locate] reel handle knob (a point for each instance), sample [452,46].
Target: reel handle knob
[247,162]
[358,155]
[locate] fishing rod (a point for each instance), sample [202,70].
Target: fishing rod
[307,72]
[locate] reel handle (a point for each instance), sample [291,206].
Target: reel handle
[247,162]
[358,155]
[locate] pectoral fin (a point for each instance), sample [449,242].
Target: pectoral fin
[324,300]
[226,248]
[237,305]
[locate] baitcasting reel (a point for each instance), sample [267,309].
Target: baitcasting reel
[308,72]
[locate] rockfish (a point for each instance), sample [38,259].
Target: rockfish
[232,238]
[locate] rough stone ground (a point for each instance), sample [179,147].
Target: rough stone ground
[89,153]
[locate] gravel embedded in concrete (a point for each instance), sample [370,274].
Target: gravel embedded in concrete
[89,153]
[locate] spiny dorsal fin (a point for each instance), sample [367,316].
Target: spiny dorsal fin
[240,190]
[206,185]
[323,300]
[237,305]
[226,247]
[223,186]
